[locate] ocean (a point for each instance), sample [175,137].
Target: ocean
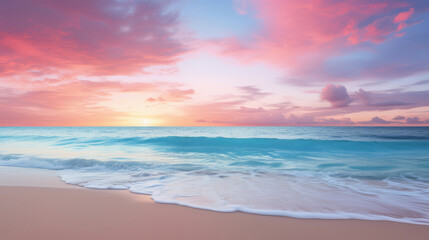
[372,173]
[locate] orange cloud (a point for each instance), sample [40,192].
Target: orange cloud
[174,95]
[73,103]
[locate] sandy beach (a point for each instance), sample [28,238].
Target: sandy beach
[214,120]
[35,204]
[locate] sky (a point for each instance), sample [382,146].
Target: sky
[214,63]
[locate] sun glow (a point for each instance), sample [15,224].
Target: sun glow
[146,122]
[149,122]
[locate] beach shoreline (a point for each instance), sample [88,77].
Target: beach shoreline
[31,208]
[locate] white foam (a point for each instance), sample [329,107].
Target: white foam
[271,194]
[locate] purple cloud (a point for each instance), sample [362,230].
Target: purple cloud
[336,94]
[414,120]
[376,120]
[422,82]
[252,92]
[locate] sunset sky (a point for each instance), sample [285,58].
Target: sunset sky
[214,63]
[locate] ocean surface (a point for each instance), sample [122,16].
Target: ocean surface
[374,173]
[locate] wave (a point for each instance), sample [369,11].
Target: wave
[202,144]
[396,137]
[271,143]
[302,194]
[18,160]
[374,177]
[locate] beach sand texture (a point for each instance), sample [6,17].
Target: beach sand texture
[56,210]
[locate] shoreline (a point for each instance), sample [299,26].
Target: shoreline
[35,204]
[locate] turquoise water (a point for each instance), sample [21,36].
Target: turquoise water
[378,173]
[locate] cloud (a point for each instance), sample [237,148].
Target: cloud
[76,103]
[376,32]
[336,41]
[236,110]
[390,103]
[336,94]
[395,99]
[414,120]
[92,37]
[335,122]
[88,116]
[300,33]
[396,58]
[263,117]
[252,92]
[364,102]
[47,45]
[366,98]
[381,100]
[242,110]
[174,95]
[376,120]
[403,16]
[422,82]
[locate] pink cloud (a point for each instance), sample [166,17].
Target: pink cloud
[244,116]
[174,95]
[89,116]
[301,34]
[403,16]
[74,103]
[375,32]
[303,23]
[74,94]
[92,37]
[235,111]
[241,109]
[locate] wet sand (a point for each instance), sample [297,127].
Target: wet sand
[35,204]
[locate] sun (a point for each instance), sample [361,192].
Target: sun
[150,122]
[146,121]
